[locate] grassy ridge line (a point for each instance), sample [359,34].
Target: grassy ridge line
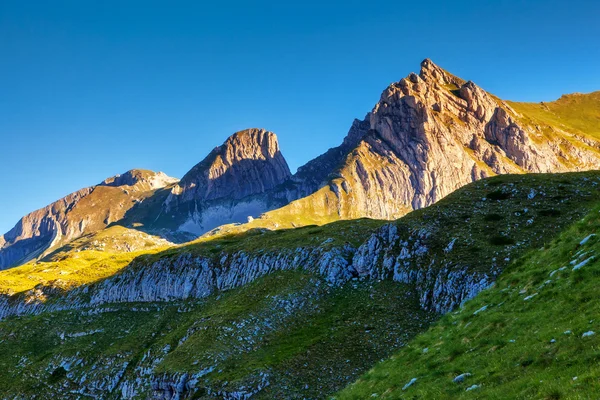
[573,112]
[529,336]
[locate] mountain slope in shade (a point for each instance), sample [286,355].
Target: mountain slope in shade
[85,211]
[429,135]
[532,335]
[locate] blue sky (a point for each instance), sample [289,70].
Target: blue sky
[89,89]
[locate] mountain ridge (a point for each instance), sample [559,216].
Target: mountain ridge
[84,211]
[429,134]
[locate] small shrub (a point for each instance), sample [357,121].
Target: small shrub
[58,374]
[498,195]
[549,213]
[493,217]
[554,394]
[500,240]
[527,362]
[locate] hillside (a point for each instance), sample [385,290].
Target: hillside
[533,334]
[577,112]
[273,314]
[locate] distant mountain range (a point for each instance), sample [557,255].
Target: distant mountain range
[429,135]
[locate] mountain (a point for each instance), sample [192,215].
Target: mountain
[432,133]
[474,276]
[296,313]
[85,211]
[223,187]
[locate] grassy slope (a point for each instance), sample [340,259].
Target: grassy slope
[519,346]
[481,224]
[337,329]
[573,112]
[310,346]
[73,270]
[114,239]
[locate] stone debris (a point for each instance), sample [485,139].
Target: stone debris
[409,384]
[461,378]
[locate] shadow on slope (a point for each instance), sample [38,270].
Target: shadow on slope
[289,329]
[532,335]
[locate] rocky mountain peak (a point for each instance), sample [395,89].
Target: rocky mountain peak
[430,134]
[85,211]
[231,185]
[249,162]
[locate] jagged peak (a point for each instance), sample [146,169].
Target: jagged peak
[263,142]
[358,129]
[248,162]
[431,72]
[241,147]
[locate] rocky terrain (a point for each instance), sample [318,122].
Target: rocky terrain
[220,189]
[429,135]
[533,334]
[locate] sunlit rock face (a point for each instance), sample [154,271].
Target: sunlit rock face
[248,163]
[434,133]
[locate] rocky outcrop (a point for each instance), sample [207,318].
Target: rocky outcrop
[85,211]
[385,255]
[140,180]
[248,163]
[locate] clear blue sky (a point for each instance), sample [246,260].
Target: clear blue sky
[89,88]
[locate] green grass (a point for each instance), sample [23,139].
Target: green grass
[72,270]
[114,239]
[508,346]
[291,326]
[573,112]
